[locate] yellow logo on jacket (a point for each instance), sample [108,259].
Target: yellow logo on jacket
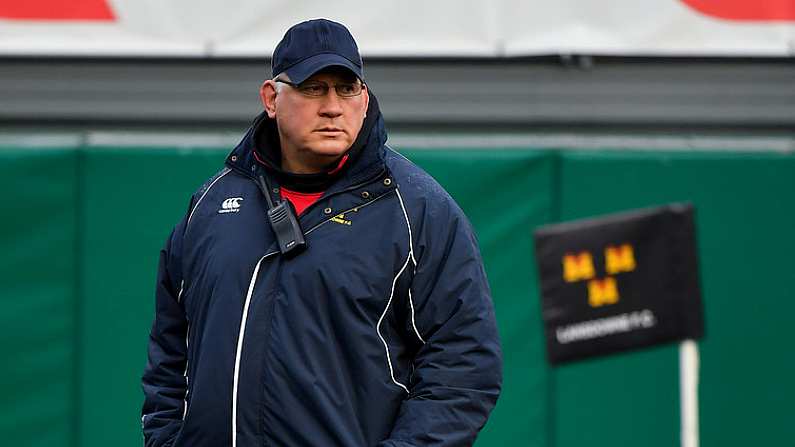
[340,219]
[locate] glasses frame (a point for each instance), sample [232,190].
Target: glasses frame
[327,89]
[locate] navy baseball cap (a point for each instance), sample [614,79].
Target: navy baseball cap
[311,46]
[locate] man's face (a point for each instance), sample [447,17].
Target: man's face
[315,130]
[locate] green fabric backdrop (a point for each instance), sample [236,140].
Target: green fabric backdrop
[38,293]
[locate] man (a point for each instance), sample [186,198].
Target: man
[321,289]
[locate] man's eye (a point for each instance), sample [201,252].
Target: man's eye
[347,89]
[313,89]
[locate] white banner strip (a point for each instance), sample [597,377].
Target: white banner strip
[396,28]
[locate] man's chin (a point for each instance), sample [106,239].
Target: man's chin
[330,151]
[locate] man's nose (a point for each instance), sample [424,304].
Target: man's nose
[332,104]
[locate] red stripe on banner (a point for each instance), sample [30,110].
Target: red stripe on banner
[756,10]
[56,10]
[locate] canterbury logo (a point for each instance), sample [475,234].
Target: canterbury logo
[230,205]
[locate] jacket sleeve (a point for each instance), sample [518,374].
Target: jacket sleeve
[164,382]
[458,369]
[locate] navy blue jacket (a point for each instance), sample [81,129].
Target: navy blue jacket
[381,333]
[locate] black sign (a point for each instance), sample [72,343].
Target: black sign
[619,282]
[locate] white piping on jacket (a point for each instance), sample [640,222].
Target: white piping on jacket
[181,288]
[187,388]
[408,225]
[247,302]
[226,171]
[378,326]
[241,333]
[411,255]
[413,324]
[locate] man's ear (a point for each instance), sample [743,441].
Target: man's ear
[267,93]
[366,94]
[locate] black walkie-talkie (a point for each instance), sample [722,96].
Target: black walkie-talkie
[284,223]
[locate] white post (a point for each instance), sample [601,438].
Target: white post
[688,392]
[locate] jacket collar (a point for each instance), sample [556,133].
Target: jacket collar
[365,157]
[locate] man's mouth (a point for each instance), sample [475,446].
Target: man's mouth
[329,130]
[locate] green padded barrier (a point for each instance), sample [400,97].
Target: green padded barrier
[132,197]
[37,293]
[745,211]
[506,193]
[90,224]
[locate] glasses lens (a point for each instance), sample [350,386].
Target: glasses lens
[347,90]
[313,88]
[317,89]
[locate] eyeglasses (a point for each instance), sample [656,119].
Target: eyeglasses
[317,89]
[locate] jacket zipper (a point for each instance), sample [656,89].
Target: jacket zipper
[246,304]
[240,337]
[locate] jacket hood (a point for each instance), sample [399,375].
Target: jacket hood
[259,150]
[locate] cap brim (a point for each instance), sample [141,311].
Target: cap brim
[301,71]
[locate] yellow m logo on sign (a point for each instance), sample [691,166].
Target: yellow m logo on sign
[619,259]
[577,267]
[602,292]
